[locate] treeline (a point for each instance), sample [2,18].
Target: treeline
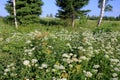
[111,18]
[25,12]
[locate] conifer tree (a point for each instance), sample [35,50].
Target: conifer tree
[27,11]
[71,9]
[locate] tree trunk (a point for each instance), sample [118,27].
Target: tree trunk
[101,13]
[14,9]
[73,21]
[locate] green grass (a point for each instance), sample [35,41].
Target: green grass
[55,24]
[47,51]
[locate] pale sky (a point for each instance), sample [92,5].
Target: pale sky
[49,7]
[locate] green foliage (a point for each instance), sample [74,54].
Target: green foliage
[83,20]
[36,53]
[108,7]
[71,9]
[61,54]
[110,18]
[27,11]
[51,21]
[102,29]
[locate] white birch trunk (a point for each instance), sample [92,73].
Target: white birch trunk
[101,12]
[14,9]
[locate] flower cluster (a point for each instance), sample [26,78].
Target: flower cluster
[63,55]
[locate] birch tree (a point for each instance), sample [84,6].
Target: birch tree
[104,6]
[14,9]
[101,12]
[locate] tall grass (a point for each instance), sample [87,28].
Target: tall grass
[56,52]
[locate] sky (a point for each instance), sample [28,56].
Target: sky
[50,7]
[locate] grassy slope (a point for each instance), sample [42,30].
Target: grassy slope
[6,30]
[53,24]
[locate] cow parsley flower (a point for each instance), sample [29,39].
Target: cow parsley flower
[26,62]
[44,65]
[65,55]
[88,74]
[7,70]
[34,61]
[114,74]
[96,66]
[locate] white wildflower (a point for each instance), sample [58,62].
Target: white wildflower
[114,78]
[96,66]
[114,74]
[117,69]
[74,55]
[68,44]
[13,68]
[90,48]
[47,70]
[83,50]
[44,65]
[79,61]
[36,65]
[94,71]
[71,54]
[29,53]
[106,56]
[69,61]
[53,70]
[1,39]
[80,48]
[75,59]
[7,70]
[70,65]
[28,42]
[65,55]
[27,50]
[62,79]
[40,67]
[12,64]
[114,60]
[88,74]
[13,74]
[56,66]
[26,62]
[8,66]
[34,61]
[83,58]
[5,73]
[118,64]
[27,79]
[61,67]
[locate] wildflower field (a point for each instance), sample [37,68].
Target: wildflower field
[60,55]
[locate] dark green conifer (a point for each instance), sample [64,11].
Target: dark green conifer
[27,11]
[71,9]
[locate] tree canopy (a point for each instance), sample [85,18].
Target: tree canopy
[27,11]
[71,9]
[108,7]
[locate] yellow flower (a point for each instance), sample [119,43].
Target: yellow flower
[44,43]
[49,51]
[64,75]
[78,68]
[46,34]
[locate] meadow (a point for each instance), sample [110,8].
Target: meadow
[52,51]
